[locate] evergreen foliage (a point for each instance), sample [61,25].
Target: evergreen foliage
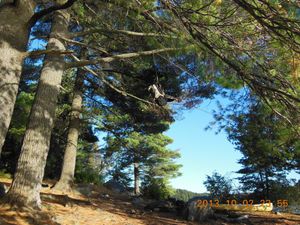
[192,50]
[185,195]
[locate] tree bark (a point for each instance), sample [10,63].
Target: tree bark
[66,180]
[267,185]
[136,179]
[26,186]
[13,42]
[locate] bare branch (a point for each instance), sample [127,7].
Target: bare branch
[82,44]
[48,52]
[101,77]
[125,32]
[120,56]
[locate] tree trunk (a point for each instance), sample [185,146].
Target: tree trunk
[267,185]
[67,175]
[14,35]
[136,179]
[26,186]
[93,158]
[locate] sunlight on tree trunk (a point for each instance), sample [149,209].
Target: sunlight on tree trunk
[26,186]
[67,175]
[13,43]
[136,179]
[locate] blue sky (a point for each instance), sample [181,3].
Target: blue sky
[202,152]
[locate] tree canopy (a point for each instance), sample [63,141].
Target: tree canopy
[73,69]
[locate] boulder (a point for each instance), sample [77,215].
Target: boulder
[161,206]
[179,205]
[139,202]
[196,212]
[85,189]
[115,186]
[106,196]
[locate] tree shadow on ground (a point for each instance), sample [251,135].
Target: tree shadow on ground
[10,216]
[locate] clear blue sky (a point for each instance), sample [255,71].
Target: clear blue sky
[202,152]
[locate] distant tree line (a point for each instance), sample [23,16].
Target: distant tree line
[185,195]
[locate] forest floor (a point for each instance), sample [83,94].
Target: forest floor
[103,207]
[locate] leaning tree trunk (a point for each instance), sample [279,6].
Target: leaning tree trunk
[136,178]
[26,186]
[66,180]
[13,42]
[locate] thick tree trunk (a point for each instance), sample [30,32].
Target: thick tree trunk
[13,42]
[136,179]
[25,189]
[67,175]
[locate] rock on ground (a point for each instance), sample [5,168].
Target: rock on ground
[196,212]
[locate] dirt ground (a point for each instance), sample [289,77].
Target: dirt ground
[100,209]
